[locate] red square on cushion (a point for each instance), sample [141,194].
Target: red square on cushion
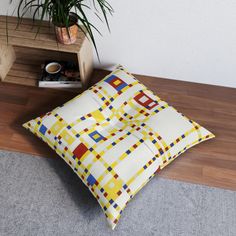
[145,100]
[80,150]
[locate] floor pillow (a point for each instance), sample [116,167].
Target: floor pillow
[116,136]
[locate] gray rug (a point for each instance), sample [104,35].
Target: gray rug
[40,196]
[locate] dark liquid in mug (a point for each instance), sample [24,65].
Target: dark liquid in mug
[53,68]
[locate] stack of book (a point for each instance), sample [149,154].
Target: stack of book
[67,77]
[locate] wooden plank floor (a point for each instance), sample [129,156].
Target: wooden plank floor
[211,163]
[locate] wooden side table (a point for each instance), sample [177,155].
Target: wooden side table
[22,51]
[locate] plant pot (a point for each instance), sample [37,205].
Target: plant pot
[67,35]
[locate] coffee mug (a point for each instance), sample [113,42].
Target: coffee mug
[53,68]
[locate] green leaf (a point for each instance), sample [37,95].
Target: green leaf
[58,12]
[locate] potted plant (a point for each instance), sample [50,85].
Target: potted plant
[65,15]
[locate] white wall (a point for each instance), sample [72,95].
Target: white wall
[180,39]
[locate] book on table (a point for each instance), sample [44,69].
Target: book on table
[67,77]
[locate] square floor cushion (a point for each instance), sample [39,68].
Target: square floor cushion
[116,136]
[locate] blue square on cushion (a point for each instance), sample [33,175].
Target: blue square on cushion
[116,82]
[91,180]
[96,136]
[43,129]
[111,201]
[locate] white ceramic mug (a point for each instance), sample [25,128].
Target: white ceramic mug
[53,68]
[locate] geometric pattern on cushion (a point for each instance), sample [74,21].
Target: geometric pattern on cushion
[116,136]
